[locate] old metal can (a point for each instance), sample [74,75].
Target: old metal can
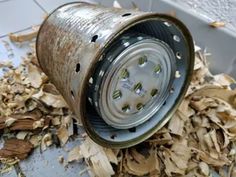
[123,72]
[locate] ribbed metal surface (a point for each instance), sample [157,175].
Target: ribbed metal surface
[72,40]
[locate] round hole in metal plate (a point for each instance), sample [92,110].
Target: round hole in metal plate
[94,38]
[127,14]
[77,69]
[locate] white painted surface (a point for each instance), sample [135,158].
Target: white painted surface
[215,10]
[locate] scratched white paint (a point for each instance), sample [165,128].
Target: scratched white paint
[222,10]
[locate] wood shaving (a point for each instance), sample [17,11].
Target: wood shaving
[63,135]
[204,168]
[34,76]
[36,140]
[137,164]
[217,24]
[9,121]
[16,148]
[46,141]
[74,154]
[96,158]
[22,135]
[24,37]
[5,64]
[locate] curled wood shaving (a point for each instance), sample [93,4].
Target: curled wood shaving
[24,37]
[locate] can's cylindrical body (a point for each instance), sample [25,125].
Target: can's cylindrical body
[73,39]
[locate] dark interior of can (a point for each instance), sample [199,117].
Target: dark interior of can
[171,34]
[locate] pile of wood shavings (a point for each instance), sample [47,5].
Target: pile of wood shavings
[199,140]
[32,112]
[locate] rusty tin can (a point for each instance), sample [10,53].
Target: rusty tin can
[73,43]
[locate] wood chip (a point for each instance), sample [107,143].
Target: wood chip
[46,141]
[217,92]
[111,155]
[22,135]
[176,125]
[139,165]
[217,24]
[95,154]
[34,76]
[63,135]
[14,148]
[20,121]
[204,168]
[74,154]
[23,37]
[9,121]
